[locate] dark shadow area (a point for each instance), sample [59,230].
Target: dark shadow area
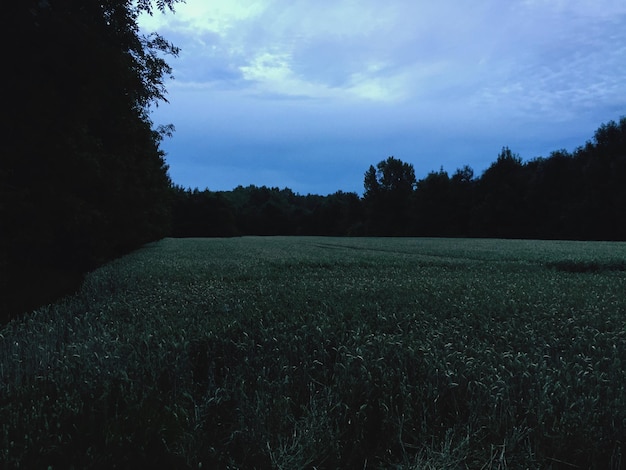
[587,266]
[30,287]
[82,176]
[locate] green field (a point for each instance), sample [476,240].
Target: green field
[329,353]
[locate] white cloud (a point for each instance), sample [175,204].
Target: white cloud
[268,67]
[368,70]
[315,48]
[301,47]
[531,54]
[197,16]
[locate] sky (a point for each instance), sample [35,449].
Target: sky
[308,94]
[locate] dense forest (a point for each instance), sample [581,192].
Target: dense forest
[82,176]
[579,195]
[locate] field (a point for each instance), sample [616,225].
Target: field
[326,353]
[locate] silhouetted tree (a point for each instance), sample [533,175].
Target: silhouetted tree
[500,209]
[338,214]
[443,203]
[462,187]
[388,197]
[603,162]
[261,210]
[201,214]
[434,204]
[82,173]
[265,211]
[554,196]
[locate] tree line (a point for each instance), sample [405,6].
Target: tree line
[82,175]
[579,195]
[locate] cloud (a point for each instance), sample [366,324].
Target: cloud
[298,47]
[531,55]
[372,79]
[349,45]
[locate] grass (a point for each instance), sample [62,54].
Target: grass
[328,353]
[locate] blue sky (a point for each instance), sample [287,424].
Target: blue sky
[308,94]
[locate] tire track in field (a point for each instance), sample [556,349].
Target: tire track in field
[435,259]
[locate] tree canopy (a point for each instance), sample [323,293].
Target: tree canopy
[388,191]
[82,174]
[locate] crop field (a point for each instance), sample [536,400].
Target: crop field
[311,352]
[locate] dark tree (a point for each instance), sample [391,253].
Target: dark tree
[82,175]
[554,196]
[388,196]
[391,176]
[603,163]
[265,211]
[443,203]
[500,209]
[462,187]
[433,204]
[202,214]
[337,214]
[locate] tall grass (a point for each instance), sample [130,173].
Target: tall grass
[328,353]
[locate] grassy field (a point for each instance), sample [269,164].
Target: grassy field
[328,353]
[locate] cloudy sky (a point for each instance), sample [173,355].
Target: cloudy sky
[308,94]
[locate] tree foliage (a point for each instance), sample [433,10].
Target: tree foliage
[500,197]
[388,196]
[82,175]
[254,210]
[391,176]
